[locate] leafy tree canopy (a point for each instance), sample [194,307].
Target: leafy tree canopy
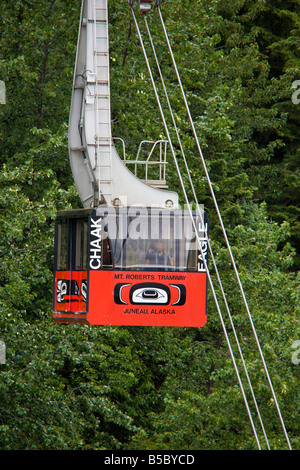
[81,387]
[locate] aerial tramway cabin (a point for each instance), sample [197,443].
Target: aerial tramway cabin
[131,255]
[129,267]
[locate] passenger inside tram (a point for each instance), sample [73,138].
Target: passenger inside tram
[163,251]
[157,255]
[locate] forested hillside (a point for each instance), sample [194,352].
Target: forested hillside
[81,387]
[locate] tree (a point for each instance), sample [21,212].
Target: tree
[203,405]
[277,178]
[231,94]
[81,387]
[38,45]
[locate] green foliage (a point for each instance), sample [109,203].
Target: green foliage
[26,235]
[81,387]
[242,109]
[203,406]
[70,387]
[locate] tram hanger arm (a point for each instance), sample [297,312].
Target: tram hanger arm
[145,5]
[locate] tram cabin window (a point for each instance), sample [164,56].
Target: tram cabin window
[161,241]
[71,244]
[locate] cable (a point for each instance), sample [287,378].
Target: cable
[198,240]
[224,232]
[206,235]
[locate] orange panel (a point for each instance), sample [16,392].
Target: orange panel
[70,292]
[147,298]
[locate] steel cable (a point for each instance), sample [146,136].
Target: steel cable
[224,231]
[206,235]
[198,240]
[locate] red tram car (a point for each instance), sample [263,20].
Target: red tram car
[130,266]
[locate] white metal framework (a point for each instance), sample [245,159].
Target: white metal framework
[102,177]
[99,173]
[243,390]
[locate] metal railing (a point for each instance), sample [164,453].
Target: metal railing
[157,178]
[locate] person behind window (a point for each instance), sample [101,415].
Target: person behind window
[162,257]
[157,255]
[131,257]
[106,253]
[134,256]
[151,255]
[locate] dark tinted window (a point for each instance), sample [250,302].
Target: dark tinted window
[71,244]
